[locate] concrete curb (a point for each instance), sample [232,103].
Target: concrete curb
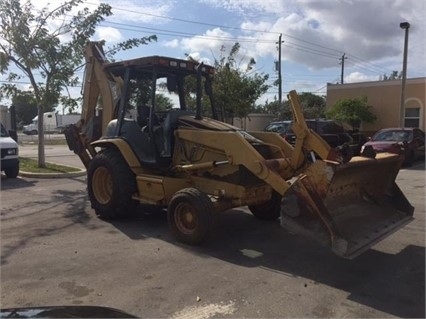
[53,175]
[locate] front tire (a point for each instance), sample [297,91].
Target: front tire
[12,172]
[269,210]
[190,216]
[111,184]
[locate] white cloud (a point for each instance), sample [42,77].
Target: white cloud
[359,77]
[111,35]
[172,44]
[210,40]
[140,11]
[251,7]
[317,33]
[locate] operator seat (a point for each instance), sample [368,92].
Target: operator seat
[169,126]
[138,141]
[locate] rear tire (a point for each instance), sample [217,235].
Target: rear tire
[111,184]
[190,216]
[270,210]
[12,172]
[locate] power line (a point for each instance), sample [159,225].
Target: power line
[361,67]
[296,46]
[186,21]
[369,64]
[186,34]
[221,26]
[309,51]
[314,50]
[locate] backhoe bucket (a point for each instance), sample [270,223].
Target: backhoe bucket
[349,207]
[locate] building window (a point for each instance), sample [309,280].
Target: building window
[412,117]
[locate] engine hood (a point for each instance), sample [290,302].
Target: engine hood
[7,142]
[188,121]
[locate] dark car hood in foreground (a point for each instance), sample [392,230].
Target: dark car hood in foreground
[64,312]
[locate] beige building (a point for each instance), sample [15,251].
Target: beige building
[385,99]
[253,121]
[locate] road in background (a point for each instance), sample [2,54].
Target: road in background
[59,154]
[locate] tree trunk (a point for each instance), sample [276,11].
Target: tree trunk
[41,156]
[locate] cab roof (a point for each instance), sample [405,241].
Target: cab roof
[163,66]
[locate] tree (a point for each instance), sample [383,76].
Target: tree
[282,112]
[353,111]
[42,54]
[25,107]
[395,75]
[313,106]
[235,87]
[163,103]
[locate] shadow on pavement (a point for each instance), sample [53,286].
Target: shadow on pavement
[394,284]
[13,183]
[417,166]
[67,205]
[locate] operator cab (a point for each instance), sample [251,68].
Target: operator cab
[151,134]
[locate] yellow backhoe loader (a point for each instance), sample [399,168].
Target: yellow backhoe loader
[195,165]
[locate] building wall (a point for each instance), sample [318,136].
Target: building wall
[385,99]
[253,121]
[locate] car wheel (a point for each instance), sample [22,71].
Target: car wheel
[12,172]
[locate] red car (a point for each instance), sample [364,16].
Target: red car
[409,142]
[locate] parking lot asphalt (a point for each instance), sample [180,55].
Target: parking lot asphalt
[55,251]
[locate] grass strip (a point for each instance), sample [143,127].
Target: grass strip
[30,165]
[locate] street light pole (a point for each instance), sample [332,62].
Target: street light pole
[280,94]
[406,27]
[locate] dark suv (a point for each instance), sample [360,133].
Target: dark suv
[332,132]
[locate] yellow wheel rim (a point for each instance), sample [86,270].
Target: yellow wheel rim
[102,185]
[186,218]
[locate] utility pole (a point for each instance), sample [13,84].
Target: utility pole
[280,93]
[343,58]
[405,26]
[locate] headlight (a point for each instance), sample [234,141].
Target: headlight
[12,151]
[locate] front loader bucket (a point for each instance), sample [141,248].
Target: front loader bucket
[349,207]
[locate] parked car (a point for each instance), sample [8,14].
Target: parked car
[332,132]
[409,142]
[281,127]
[9,154]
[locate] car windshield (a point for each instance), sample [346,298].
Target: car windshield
[4,132]
[330,128]
[278,127]
[397,136]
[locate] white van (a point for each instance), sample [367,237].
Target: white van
[9,154]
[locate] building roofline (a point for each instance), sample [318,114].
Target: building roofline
[331,86]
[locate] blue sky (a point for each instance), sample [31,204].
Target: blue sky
[315,33]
